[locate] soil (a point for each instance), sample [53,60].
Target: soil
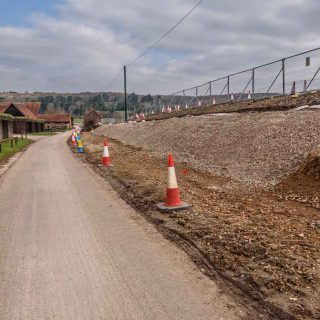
[264,244]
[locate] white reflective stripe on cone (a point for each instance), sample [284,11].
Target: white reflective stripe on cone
[106,152]
[172,180]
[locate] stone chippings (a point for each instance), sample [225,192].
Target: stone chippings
[254,148]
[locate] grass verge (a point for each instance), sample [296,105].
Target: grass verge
[45,133]
[7,151]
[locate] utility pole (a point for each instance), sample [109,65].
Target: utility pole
[125,93]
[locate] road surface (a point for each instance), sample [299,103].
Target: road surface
[70,248]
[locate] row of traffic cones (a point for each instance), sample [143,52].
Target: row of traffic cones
[76,141]
[173,201]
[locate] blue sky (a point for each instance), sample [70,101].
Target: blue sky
[17,12]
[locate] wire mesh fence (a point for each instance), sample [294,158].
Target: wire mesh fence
[295,74]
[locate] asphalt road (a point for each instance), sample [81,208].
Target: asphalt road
[70,248]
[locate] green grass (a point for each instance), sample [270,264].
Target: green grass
[45,133]
[77,120]
[7,151]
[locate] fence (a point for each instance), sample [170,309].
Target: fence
[294,74]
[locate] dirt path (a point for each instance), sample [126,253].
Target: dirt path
[70,248]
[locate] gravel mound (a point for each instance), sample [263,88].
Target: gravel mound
[255,148]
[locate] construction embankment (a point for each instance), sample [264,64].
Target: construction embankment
[253,180]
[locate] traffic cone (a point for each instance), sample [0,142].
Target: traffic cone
[232,97]
[73,139]
[173,201]
[106,158]
[80,147]
[213,101]
[249,95]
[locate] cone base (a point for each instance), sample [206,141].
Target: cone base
[162,207]
[107,165]
[106,162]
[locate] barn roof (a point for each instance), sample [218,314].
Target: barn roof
[34,107]
[61,117]
[4,106]
[21,107]
[91,111]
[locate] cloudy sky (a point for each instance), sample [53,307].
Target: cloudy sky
[80,45]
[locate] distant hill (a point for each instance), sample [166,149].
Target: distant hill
[106,102]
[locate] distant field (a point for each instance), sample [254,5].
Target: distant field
[7,151]
[78,120]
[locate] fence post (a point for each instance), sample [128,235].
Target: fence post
[283,77]
[228,87]
[11,143]
[253,69]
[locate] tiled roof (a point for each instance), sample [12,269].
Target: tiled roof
[34,107]
[61,117]
[25,111]
[4,106]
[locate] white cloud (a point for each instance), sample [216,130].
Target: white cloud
[88,41]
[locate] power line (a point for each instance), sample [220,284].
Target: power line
[166,34]
[114,80]
[154,44]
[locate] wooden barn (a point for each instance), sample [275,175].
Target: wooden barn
[91,119]
[6,126]
[24,119]
[61,121]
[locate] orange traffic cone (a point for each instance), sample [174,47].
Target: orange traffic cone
[106,158]
[73,139]
[173,201]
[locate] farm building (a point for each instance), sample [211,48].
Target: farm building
[24,120]
[91,119]
[57,121]
[6,126]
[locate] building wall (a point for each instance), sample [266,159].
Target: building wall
[19,126]
[6,129]
[57,125]
[10,129]
[91,119]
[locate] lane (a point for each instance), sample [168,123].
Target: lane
[70,248]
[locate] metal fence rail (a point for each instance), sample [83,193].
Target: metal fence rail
[294,74]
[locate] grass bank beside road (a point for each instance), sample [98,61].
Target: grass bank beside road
[7,151]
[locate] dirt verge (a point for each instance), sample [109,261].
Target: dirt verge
[265,246]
